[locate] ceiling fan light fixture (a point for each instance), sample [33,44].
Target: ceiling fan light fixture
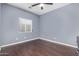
[41,5]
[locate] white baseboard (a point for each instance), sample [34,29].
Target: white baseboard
[18,42]
[58,42]
[41,39]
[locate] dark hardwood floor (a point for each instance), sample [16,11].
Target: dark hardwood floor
[39,48]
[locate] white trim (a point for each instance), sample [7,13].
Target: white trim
[41,39]
[59,42]
[19,42]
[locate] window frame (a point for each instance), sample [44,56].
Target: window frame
[25,27]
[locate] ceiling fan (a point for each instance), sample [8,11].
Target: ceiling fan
[41,5]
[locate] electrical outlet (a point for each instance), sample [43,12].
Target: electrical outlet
[54,37]
[16,38]
[25,37]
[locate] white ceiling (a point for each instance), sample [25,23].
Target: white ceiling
[37,10]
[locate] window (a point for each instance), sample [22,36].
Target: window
[25,25]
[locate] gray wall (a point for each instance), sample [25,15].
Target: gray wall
[10,24]
[0,25]
[61,25]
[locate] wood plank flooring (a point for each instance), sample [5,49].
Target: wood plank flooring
[39,48]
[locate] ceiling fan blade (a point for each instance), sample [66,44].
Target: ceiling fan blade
[35,4]
[49,3]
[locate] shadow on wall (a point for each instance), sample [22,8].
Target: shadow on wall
[78,41]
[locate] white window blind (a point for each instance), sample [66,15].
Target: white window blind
[25,25]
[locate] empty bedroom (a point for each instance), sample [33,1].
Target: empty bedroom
[39,29]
